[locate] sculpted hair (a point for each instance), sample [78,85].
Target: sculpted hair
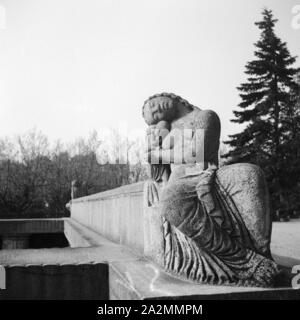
[175,98]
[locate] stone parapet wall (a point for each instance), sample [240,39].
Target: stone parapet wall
[118,214]
[73,281]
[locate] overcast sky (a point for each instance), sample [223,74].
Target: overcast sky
[70,66]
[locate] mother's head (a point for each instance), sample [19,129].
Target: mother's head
[163,106]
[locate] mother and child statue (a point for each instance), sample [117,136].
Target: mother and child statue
[216,221]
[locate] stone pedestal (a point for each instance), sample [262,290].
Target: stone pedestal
[15,242]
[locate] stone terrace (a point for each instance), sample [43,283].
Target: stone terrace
[115,253]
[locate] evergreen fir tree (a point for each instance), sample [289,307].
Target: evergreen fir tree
[291,150]
[271,113]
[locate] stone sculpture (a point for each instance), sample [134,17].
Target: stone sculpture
[216,222]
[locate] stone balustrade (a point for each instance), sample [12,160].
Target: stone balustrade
[123,216]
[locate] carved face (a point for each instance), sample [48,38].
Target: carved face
[158,109]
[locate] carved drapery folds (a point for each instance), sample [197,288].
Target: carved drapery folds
[206,239]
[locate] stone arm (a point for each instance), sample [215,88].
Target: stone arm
[178,147]
[195,143]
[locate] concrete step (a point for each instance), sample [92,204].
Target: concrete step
[142,279]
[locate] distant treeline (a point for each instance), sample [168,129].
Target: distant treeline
[35,179]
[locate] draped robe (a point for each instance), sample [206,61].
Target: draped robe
[209,236]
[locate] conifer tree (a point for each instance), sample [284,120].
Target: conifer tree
[268,108]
